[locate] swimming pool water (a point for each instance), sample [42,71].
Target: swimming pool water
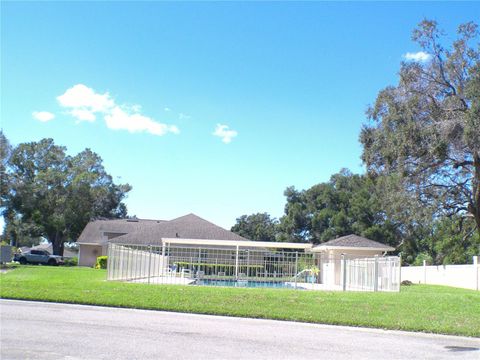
[244,283]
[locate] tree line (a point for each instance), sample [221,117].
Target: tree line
[421,150]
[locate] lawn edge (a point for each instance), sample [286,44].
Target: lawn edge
[344,324]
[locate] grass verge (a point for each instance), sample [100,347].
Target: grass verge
[435,309]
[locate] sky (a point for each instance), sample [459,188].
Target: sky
[211,108]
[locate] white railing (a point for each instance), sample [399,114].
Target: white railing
[371,274]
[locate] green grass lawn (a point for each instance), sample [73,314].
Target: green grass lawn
[435,309]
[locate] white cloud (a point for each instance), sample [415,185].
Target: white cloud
[183,116]
[85,98]
[83,114]
[84,104]
[120,118]
[418,56]
[43,116]
[223,132]
[167,109]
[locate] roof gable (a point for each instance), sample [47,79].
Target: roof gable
[355,241]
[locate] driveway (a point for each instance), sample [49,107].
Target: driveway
[35,330]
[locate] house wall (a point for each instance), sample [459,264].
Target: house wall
[88,254]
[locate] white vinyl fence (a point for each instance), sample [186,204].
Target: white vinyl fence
[464,276]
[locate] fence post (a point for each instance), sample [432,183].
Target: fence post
[149,261]
[108,260]
[424,272]
[199,262]
[236,264]
[399,270]
[475,268]
[163,259]
[375,274]
[344,273]
[296,267]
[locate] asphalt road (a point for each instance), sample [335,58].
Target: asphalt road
[35,330]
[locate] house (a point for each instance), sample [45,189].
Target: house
[94,239]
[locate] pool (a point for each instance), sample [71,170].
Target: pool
[245,283]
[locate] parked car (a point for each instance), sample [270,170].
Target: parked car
[38,257]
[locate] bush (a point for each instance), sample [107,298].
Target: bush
[406,283]
[101,262]
[70,261]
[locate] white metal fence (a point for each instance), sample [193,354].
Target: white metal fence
[372,274]
[157,264]
[188,265]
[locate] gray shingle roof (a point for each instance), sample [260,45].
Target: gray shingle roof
[95,230]
[355,241]
[151,231]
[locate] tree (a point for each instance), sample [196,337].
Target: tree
[425,131]
[19,234]
[347,204]
[454,240]
[5,151]
[54,195]
[449,240]
[257,227]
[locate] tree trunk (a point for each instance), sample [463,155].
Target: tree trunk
[57,243]
[475,207]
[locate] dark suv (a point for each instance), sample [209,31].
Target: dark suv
[38,257]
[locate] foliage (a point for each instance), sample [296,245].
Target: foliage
[347,204]
[257,227]
[20,233]
[101,262]
[420,258]
[70,261]
[425,131]
[455,241]
[50,194]
[437,309]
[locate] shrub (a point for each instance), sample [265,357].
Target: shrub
[406,283]
[70,261]
[101,262]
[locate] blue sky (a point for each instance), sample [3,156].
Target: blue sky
[285,85]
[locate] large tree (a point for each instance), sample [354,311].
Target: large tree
[346,204]
[257,227]
[54,195]
[425,132]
